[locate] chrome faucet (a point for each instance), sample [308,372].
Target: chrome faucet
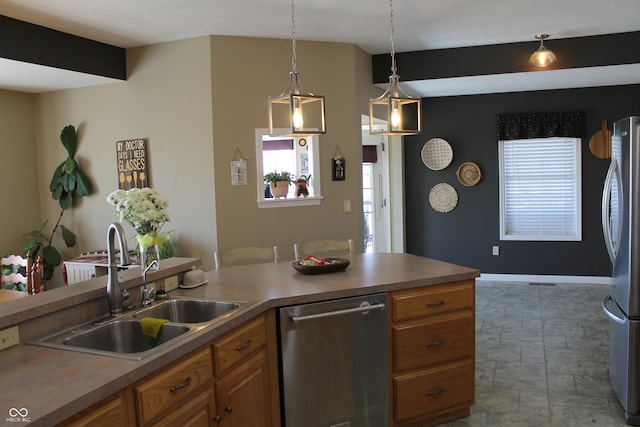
[115,294]
[148,294]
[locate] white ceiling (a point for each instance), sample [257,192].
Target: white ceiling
[419,25]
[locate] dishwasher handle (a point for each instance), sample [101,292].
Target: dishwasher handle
[363,308]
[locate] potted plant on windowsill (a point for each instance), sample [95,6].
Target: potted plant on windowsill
[278,183]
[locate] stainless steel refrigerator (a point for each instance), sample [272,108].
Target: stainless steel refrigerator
[621,229]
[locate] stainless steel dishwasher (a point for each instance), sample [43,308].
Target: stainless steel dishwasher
[334,363]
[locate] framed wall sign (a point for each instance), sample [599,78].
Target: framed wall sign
[338,169]
[239,172]
[132,164]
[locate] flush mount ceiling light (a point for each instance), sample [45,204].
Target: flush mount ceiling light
[399,112]
[543,56]
[294,113]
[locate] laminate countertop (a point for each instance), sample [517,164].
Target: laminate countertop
[53,384]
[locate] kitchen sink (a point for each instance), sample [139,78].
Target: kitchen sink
[188,310]
[122,336]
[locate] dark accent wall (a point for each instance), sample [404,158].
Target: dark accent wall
[466,235]
[25,42]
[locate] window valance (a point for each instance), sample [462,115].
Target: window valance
[540,125]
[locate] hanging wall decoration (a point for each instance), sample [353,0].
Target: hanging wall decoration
[469,174]
[436,154]
[338,166]
[443,197]
[132,164]
[238,169]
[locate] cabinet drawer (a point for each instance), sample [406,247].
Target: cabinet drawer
[234,346]
[411,304]
[433,340]
[430,392]
[166,388]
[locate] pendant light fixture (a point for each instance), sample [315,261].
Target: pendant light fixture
[294,113]
[395,112]
[543,56]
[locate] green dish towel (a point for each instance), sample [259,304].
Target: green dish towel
[151,328]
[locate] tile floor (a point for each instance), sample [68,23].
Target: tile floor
[541,356]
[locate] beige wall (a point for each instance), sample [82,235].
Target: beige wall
[195,101]
[20,212]
[245,73]
[165,100]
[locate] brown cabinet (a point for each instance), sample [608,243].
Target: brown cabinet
[114,411]
[246,379]
[172,389]
[432,353]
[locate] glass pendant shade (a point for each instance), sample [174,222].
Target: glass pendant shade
[395,112]
[543,56]
[296,114]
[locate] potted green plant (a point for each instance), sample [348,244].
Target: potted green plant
[278,183]
[68,183]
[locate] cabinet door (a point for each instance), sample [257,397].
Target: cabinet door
[197,412]
[242,396]
[170,387]
[113,412]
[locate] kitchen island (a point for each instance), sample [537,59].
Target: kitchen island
[53,385]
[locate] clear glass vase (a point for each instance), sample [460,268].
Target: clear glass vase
[147,255]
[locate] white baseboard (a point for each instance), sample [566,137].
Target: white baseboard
[543,278]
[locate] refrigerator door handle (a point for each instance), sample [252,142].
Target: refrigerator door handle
[609,313]
[606,211]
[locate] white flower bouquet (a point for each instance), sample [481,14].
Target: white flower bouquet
[145,210]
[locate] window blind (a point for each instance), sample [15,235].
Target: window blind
[540,189]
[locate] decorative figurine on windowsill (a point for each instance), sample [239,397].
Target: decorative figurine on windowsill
[301,186]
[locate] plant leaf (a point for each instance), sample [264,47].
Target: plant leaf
[51,256]
[83,185]
[57,192]
[32,247]
[55,179]
[48,271]
[70,165]
[68,236]
[69,139]
[66,200]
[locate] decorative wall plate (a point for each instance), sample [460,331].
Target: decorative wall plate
[469,174]
[443,197]
[437,154]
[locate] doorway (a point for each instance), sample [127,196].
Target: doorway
[375,193]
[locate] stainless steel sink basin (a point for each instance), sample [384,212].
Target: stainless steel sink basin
[188,310]
[123,336]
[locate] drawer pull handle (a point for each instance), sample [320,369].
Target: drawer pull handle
[435,343]
[243,346]
[228,409]
[437,392]
[435,304]
[177,387]
[217,419]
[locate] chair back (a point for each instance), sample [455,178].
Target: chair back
[22,273]
[247,255]
[323,248]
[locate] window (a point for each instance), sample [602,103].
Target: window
[540,189]
[296,155]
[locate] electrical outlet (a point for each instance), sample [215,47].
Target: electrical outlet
[496,250]
[347,206]
[170,283]
[9,337]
